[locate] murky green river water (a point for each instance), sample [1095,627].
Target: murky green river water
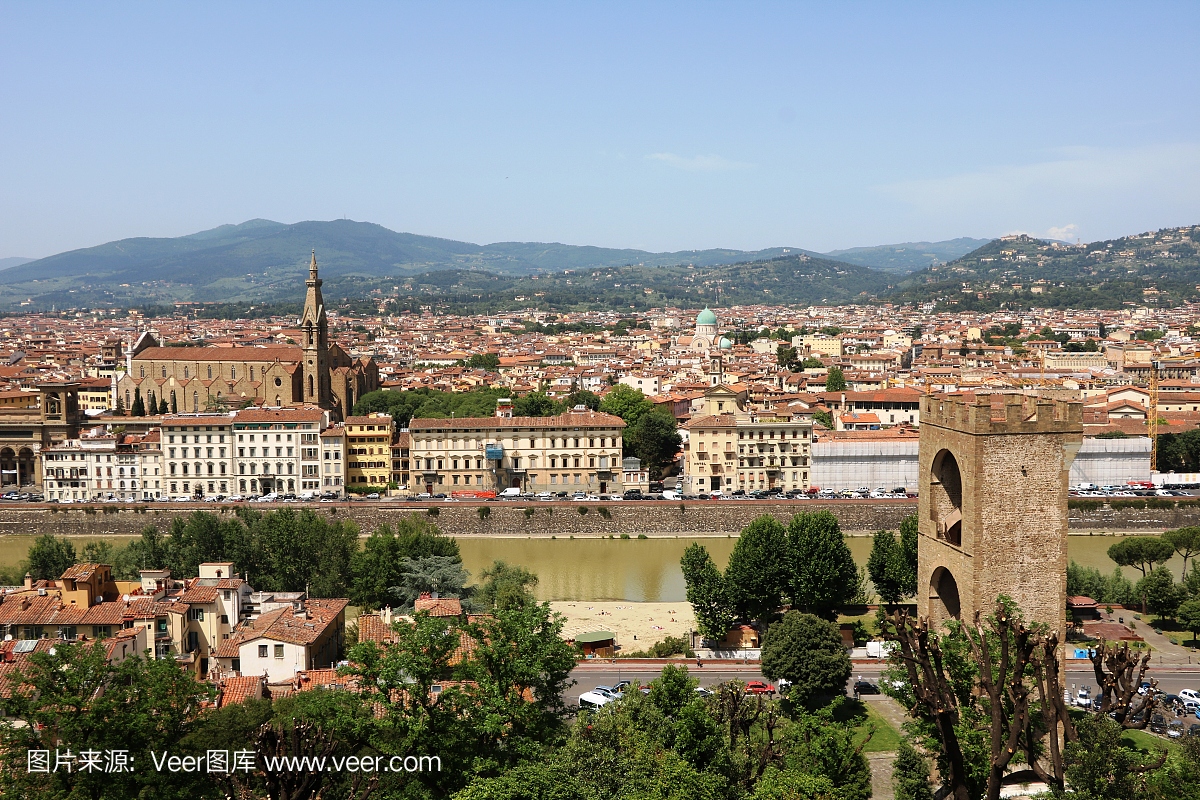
[617,569]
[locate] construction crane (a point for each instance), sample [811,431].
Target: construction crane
[1152,419]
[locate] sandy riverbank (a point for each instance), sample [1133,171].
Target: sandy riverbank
[649,622]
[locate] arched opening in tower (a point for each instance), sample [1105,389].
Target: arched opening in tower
[945,485]
[944,602]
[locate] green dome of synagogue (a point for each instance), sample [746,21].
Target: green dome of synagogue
[706,317]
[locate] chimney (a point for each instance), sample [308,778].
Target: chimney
[28,580]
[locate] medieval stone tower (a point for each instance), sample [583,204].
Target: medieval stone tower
[315,329]
[993,505]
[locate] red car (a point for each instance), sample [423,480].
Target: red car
[759,687]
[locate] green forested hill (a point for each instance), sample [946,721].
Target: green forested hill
[798,279]
[262,260]
[907,256]
[1155,268]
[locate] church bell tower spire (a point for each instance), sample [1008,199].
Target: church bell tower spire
[315,330]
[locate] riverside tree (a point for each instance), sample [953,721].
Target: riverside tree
[808,652]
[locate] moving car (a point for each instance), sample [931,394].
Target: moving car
[865,687]
[759,687]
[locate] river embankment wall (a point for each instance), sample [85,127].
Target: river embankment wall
[652,518]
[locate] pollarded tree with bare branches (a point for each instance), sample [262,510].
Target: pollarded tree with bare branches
[996,676]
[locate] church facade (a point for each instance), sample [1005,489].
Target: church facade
[196,379]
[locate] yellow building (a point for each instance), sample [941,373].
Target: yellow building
[579,451]
[369,451]
[748,451]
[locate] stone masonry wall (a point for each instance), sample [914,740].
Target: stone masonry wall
[650,518]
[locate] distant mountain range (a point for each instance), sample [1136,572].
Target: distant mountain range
[263,260]
[6,263]
[907,256]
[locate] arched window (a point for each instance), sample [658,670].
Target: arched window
[127,399]
[311,391]
[278,402]
[195,401]
[233,374]
[210,372]
[185,373]
[946,490]
[172,469]
[164,370]
[142,371]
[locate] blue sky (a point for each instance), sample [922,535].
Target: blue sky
[659,126]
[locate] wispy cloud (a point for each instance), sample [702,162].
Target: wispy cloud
[1075,171]
[708,163]
[1064,232]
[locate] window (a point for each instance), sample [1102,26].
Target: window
[279,651]
[262,651]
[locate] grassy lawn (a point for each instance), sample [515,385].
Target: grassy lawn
[1141,740]
[886,738]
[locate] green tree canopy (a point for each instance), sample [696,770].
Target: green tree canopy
[536,404]
[823,575]
[1189,616]
[756,577]
[808,651]
[835,381]
[377,565]
[1141,552]
[886,567]
[488,361]
[627,403]
[1160,593]
[583,397]
[504,586]
[706,591]
[49,557]
[1186,542]
[654,439]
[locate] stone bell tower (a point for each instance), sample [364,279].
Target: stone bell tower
[992,512]
[315,329]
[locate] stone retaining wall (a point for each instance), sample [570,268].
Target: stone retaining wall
[558,519]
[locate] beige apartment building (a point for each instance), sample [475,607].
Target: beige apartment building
[279,449]
[747,451]
[369,450]
[576,451]
[198,454]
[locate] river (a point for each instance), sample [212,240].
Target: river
[618,569]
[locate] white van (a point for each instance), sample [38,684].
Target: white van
[593,700]
[668,494]
[511,493]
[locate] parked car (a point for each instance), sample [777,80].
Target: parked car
[1194,729]
[373,496]
[594,700]
[865,687]
[1175,729]
[1158,724]
[759,687]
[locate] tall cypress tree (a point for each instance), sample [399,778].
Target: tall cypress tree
[174,405]
[139,408]
[152,405]
[162,406]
